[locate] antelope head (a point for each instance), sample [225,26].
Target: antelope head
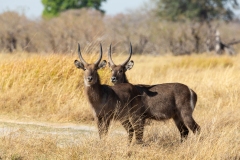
[90,70]
[118,71]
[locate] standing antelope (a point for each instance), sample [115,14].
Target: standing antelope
[120,102]
[162,101]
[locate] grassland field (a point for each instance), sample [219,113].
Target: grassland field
[48,88]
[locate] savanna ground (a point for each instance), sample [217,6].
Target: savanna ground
[43,107]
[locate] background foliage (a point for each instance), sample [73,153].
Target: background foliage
[148,34]
[204,10]
[53,8]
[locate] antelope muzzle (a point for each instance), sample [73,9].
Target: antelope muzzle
[113,79]
[89,79]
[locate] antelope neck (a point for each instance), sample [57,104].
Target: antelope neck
[94,92]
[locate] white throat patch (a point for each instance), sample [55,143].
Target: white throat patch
[86,83]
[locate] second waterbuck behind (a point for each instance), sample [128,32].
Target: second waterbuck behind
[161,101]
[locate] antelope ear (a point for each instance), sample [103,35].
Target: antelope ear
[78,64]
[129,65]
[102,64]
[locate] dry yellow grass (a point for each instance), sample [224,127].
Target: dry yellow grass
[50,88]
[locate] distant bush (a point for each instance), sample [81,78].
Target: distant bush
[148,34]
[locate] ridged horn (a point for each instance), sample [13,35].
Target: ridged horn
[100,56]
[110,55]
[80,55]
[130,54]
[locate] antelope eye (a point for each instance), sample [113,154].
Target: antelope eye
[84,69]
[120,71]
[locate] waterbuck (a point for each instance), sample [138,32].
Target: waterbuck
[161,101]
[120,102]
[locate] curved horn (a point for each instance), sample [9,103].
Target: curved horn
[130,54]
[110,55]
[80,55]
[100,56]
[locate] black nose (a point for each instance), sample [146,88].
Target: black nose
[89,78]
[113,79]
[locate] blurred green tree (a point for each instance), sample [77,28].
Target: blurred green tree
[197,10]
[52,8]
